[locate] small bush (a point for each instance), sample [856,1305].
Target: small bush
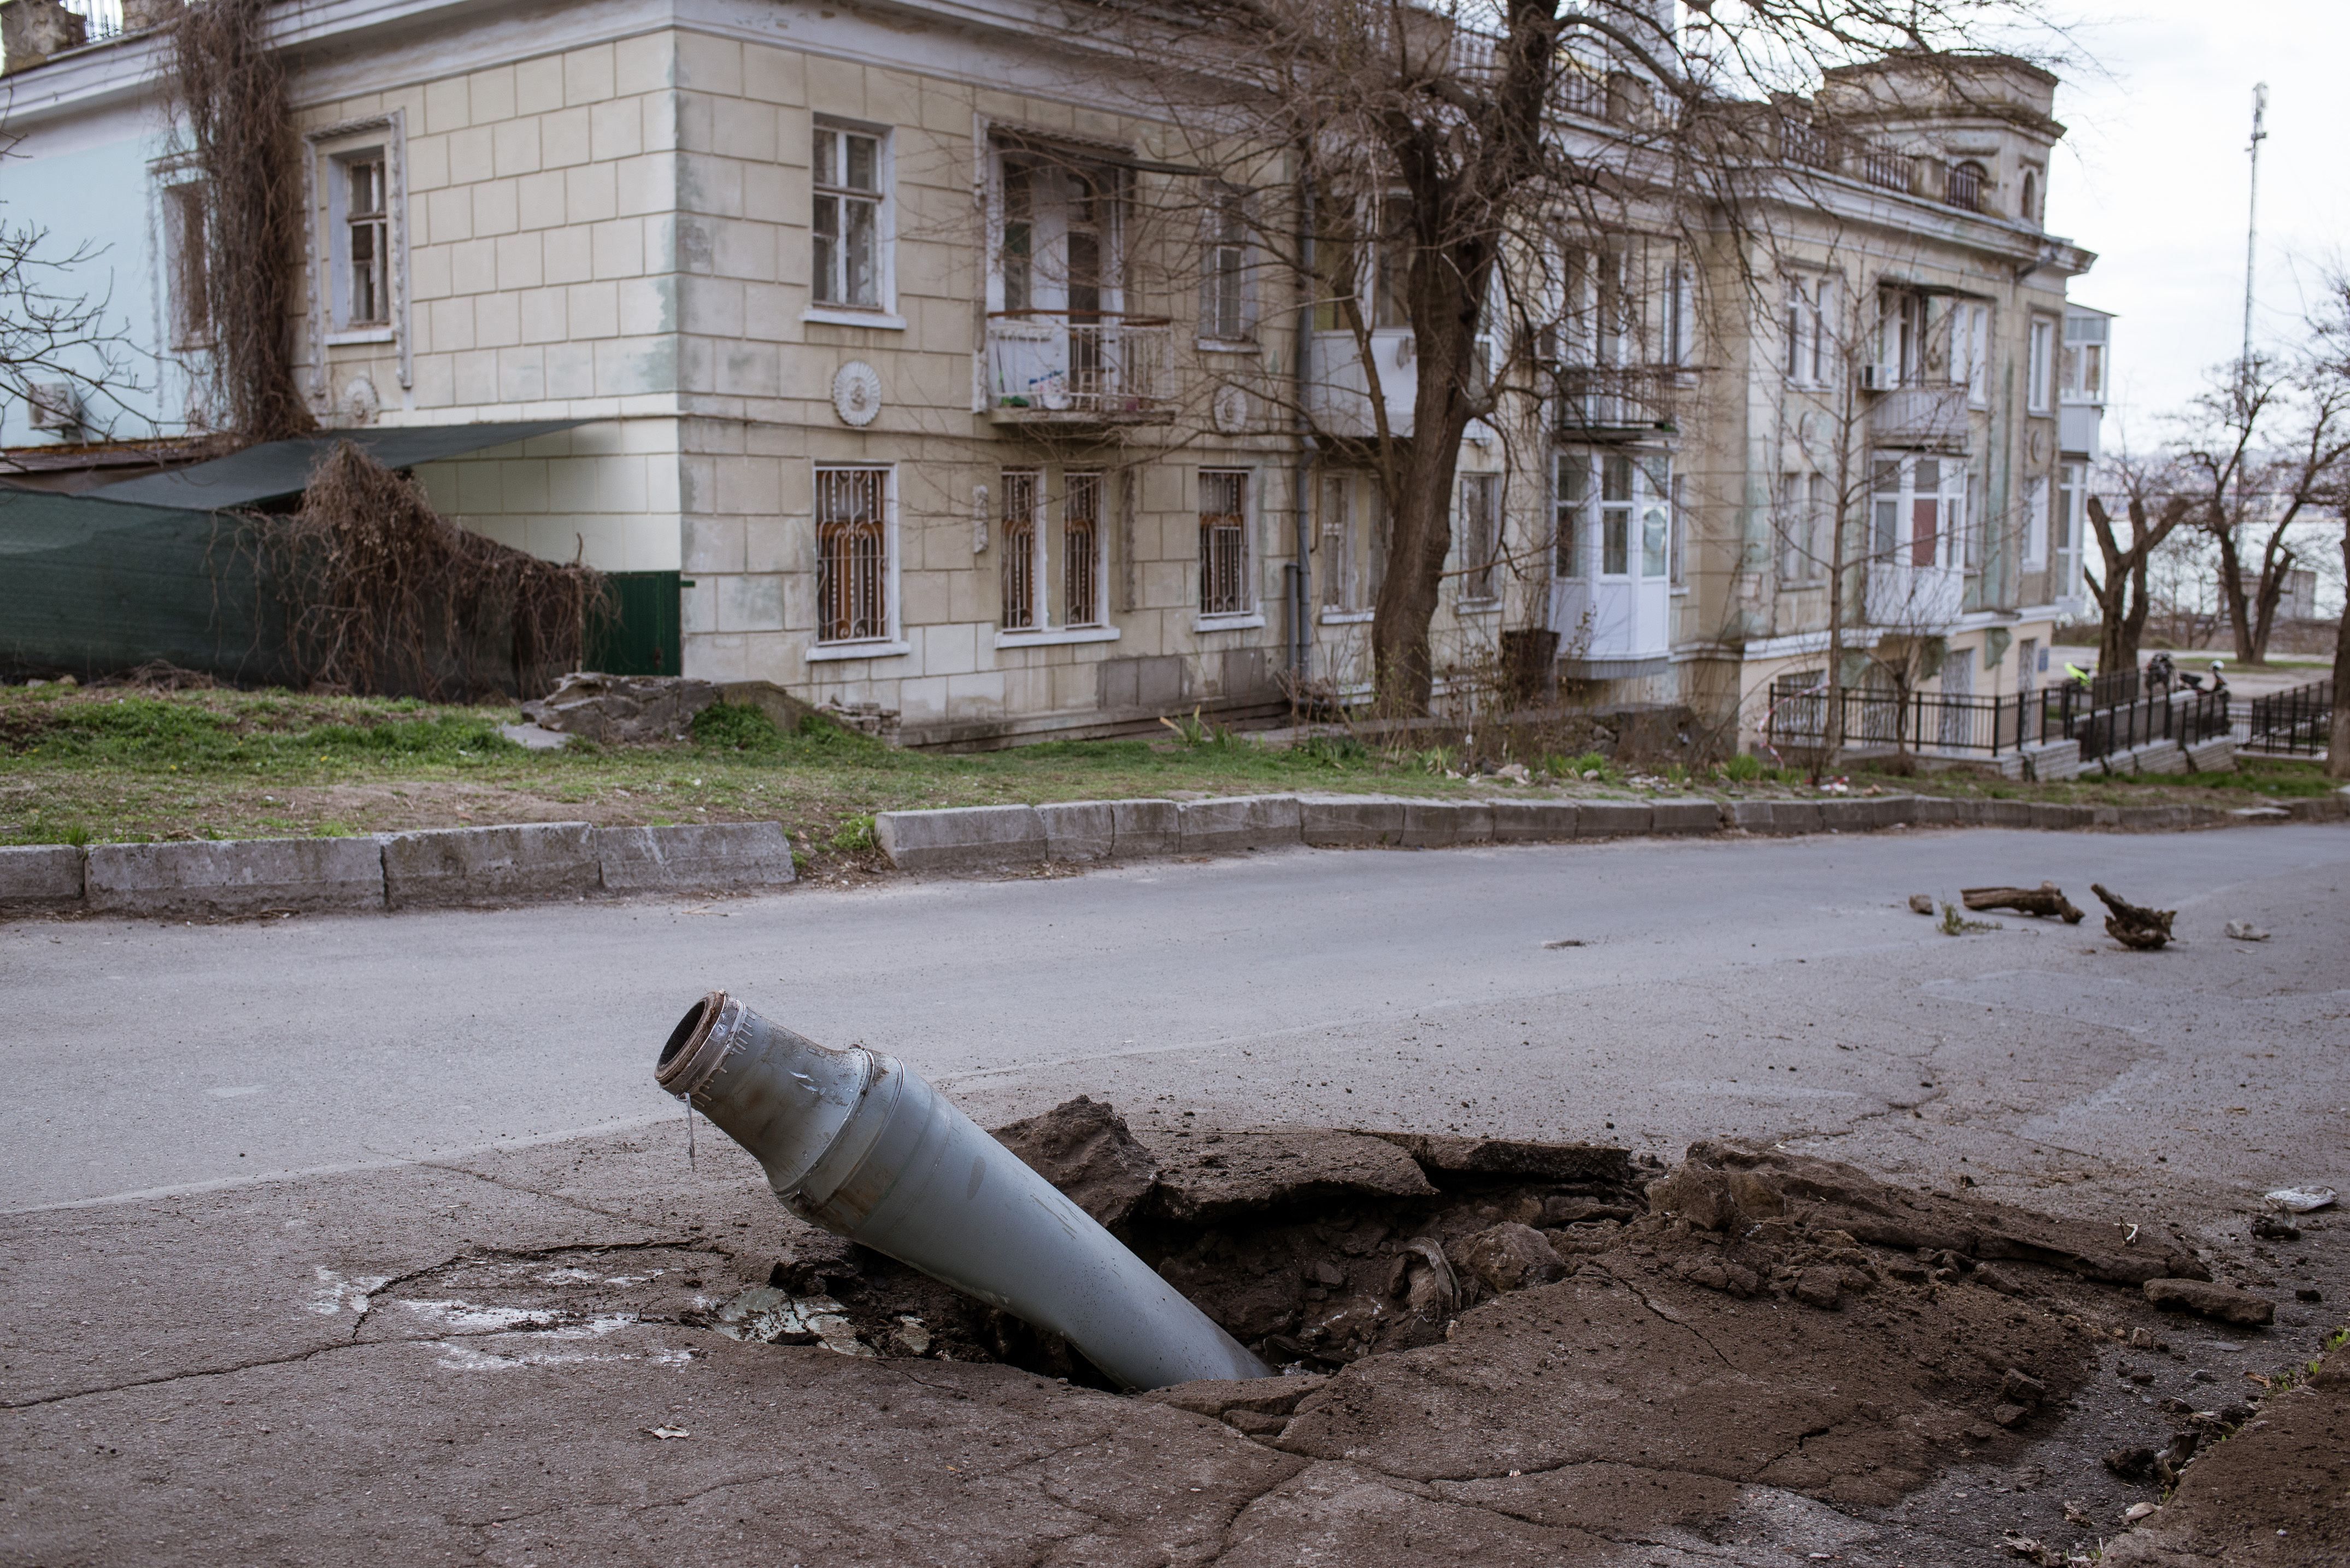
[735,727]
[1333,750]
[855,835]
[1745,768]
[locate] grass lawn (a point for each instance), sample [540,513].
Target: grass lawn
[111,764]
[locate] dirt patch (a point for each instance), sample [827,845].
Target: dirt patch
[2275,1493]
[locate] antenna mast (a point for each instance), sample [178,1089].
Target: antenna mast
[2252,217]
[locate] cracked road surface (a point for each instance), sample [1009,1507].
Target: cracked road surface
[274,1190]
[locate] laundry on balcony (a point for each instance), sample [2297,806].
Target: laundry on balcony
[1077,367]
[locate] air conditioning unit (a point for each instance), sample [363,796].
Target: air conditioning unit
[55,406]
[1875,378]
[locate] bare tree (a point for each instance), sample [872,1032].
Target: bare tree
[2120,589]
[2329,376]
[1430,186]
[2266,443]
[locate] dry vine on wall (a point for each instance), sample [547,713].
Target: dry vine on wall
[229,90]
[381,594]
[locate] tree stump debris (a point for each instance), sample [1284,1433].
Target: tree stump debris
[2047,900]
[2133,926]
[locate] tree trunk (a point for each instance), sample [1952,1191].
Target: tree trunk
[2234,596]
[1420,531]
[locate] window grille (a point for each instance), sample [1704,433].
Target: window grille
[1480,536]
[848,225]
[852,555]
[1081,541]
[1224,544]
[1019,550]
[367,227]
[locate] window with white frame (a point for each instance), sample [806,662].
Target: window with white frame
[1224,544]
[1083,543]
[187,249]
[1916,506]
[2040,377]
[849,234]
[2036,524]
[1339,551]
[1679,540]
[1626,502]
[2083,371]
[1571,516]
[1973,331]
[1225,305]
[1481,538]
[1809,354]
[2072,518]
[1791,509]
[1676,319]
[1023,549]
[852,543]
[363,224]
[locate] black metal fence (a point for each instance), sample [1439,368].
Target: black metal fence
[2291,724]
[2132,714]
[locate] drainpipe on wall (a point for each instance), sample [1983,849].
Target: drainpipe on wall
[861,1145]
[1301,659]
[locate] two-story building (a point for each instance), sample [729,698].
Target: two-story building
[858,331]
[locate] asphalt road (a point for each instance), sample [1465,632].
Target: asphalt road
[287,1209]
[1769,989]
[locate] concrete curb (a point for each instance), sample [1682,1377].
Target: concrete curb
[519,863]
[532,862]
[998,838]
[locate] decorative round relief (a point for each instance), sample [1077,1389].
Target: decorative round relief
[856,394]
[2038,444]
[1231,410]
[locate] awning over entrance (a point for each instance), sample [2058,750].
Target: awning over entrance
[277,469]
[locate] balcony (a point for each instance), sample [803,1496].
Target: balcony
[1077,368]
[2078,426]
[1919,417]
[1603,403]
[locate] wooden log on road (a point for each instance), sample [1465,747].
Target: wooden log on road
[2046,900]
[2133,925]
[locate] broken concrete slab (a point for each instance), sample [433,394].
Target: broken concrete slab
[621,710]
[235,876]
[1141,828]
[1274,1169]
[1079,830]
[968,838]
[1351,821]
[690,855]
[1219,1398]
[2205,1299]
[1446,1154]
[1236,823]
[40,876]
[1085,1149]
[490,864]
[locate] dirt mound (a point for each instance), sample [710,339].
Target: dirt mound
[2272,1495]
[1083,1147]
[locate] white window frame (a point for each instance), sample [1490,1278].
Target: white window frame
[1225,211]
[1651,488]
[2072,518]
[2040,378]
[883,314]
[1251,613]
[2078,352]
[1572,534]
[329,284]
[1949,492]
[1051,490]
[1808,360]
[175,212]
[2037,492]
[1488,487]
[891,643]
[1973,327]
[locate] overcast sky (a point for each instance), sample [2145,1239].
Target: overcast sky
[2151,176]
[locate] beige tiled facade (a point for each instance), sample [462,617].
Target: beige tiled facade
[603,213]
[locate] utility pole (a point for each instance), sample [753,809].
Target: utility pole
[2252,219]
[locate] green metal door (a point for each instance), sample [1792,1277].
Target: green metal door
[640,633]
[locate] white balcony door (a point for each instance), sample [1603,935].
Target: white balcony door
[1056,280]
[1611,592]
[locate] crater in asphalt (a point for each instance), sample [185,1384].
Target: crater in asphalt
[1543,1329]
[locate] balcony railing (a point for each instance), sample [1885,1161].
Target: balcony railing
[1919,417]
[1054,366]
[1617,403]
